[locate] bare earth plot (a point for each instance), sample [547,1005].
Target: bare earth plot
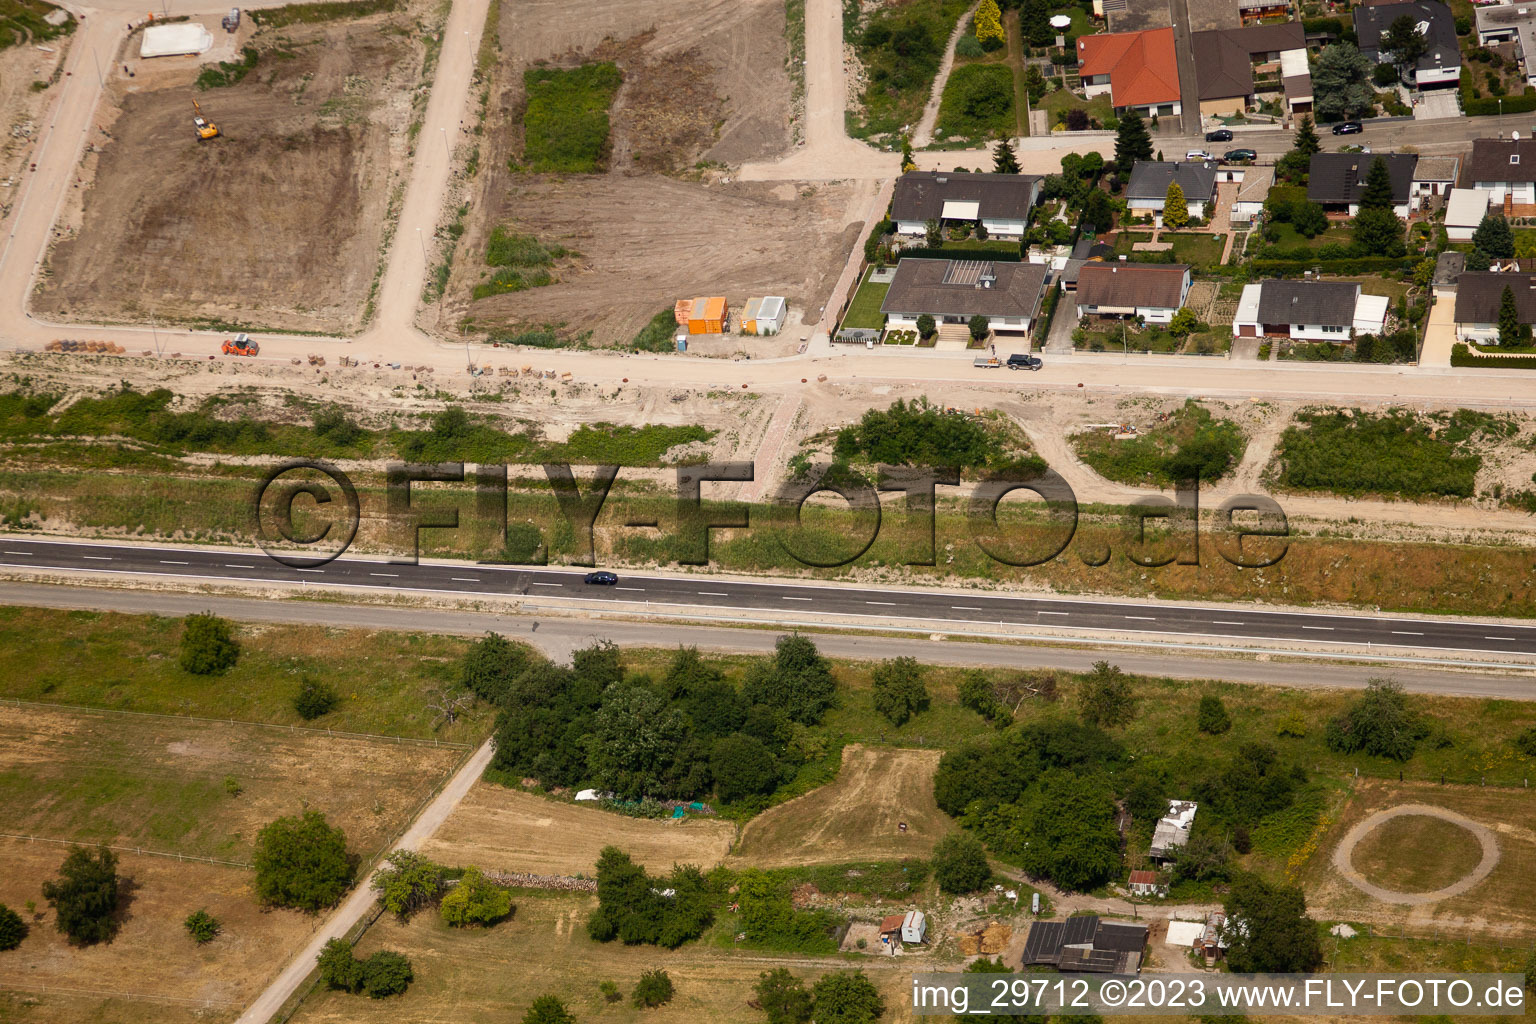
[855,817]
[277,223]
[161,784]
[152,971]
[493,975]
[704,88]
[1498,905]
[508,830]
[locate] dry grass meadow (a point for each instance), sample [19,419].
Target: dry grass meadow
[1500,907]
[494,974]
[509,830]
[152,971]
[1416,853]
[200,788]
[856,817]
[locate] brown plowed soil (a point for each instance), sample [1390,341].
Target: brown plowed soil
[277,223]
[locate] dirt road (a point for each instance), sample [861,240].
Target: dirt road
[922,135]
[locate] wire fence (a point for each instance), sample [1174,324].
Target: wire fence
[1447,934]
[1507,780]
[16,984]
[139,850]
[305,729]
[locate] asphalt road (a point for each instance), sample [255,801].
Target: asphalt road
[833,602]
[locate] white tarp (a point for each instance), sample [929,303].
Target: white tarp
[169,40]
[1184,933]
[1370,314]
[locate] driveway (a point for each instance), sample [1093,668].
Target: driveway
[1440,335]
[1437,104]
[1060,338]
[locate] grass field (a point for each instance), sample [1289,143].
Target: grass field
[1200,250]
[152,972]
[855,817]
[977,104]
[493,975]
[864,310]
[565,125]
[161,784]
[21,22]
[128,663]
[509,830]
[1416,853]
[1501,902]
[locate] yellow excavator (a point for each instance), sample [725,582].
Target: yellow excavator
[205,129]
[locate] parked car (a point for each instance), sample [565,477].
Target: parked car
[1024,361]
[1198,154]
[1348,128]
[1219,135]
[602,578]
[1234,156]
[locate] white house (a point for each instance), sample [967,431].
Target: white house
[1501,23]
[1479,294]
[1152,291]
[1504,168]
[1465,211]
[1434,176]
[954,291]
[1308,311]
[998,202]
[1252,191]
[1147,190]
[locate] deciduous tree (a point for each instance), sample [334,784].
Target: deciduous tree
[208,645]
[797,680]
[12,928]
[783,997]
[408,883]
[653,989]
[548,1010]
[899,691]
[302,862]
[846,997]
[1268,930]
[1212,717]
[960,863]
[1105,698]
[475,900]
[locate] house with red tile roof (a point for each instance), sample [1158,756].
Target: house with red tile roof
[1137,69]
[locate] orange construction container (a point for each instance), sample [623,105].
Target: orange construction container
[707,316]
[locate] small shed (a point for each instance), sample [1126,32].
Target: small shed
[1465,212]
[890,929]
[1143,883]
[707,316]
[171,40]
[764,315]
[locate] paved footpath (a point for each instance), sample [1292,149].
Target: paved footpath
[362,899]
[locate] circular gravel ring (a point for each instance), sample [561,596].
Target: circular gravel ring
[1343,864]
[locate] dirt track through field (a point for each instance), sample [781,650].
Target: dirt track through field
[509,830]
[1343,855]
[856,817]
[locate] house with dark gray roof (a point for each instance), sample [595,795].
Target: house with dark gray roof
[1087,944]
[953,291]
[1440,66]
[1479,294]
[1504,168]
[998,202]
[1308,311]
[1337,180]
[1148,187]
[1152,291]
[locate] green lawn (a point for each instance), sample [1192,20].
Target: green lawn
[1200,251]
[129,663]
[864,310]
[1287,237]
[1056,103]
